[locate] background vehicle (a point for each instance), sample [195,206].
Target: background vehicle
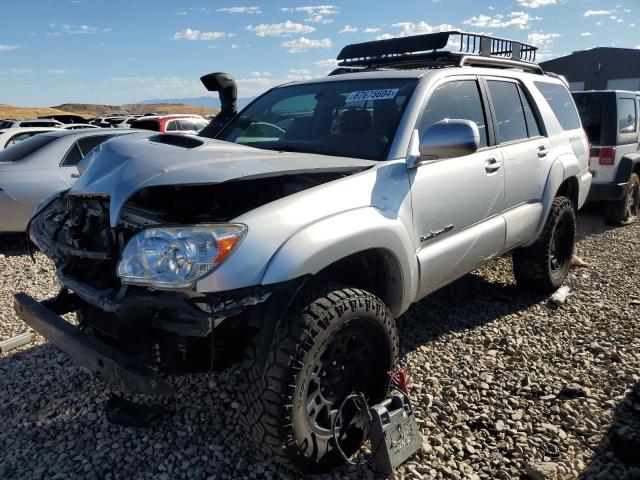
[127,122]
[66,118]
[176,124]
[610,118]
[13,136]
[322,211]
[38,167]
[29,123]
[78,126]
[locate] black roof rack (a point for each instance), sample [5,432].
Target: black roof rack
[426,51]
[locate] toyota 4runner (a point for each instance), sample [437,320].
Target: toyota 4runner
[610,119]
[311,222]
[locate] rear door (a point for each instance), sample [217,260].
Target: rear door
[627,126]
[524,151]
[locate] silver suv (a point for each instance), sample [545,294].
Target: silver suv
[316,217]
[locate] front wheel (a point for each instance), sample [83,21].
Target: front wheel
[544,265]
[337,341]
[625,210]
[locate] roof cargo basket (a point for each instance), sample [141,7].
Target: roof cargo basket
[427,51]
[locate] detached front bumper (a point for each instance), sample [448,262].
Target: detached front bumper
[121,370]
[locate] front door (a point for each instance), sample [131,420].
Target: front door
[457,202]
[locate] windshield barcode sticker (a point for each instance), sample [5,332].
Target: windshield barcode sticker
[381,94]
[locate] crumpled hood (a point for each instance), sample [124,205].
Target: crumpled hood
[122,166]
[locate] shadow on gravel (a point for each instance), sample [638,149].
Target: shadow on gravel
[590,222]
[465,304]
[618,455]
[13,244]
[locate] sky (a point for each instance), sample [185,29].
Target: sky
[125,51]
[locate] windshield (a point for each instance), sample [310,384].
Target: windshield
[351,118]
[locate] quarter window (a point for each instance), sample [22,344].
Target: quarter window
[627,115]
[459,99]
[561,103]
[509,114]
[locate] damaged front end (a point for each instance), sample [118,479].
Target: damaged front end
[156,327]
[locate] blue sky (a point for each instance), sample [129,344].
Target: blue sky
[123,51]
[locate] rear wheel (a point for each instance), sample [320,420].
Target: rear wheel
[625,210]
[543,266]
[337,341]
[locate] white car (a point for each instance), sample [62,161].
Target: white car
[78,126]
[13,136]
[45,122]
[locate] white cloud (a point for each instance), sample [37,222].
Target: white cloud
[519,20]
[59,71]
[541,39]
[285,29]
[81,29]
[408,28]
[591,13]
[536,3]
[303,44]
[420,28]
[20,71]
[348,29]
[586,34]
[249,10]
[316,13]
[260,74]
[296,74]
[371,30]
[6,48]
[193,35]
[329,62]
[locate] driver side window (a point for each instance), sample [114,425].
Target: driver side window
[459,99]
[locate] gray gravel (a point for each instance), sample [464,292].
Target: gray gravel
[506,384]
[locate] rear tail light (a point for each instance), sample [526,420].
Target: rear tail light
[607,156]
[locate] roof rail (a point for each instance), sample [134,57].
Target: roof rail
[426,51]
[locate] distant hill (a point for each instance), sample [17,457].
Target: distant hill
[205,101]
[89,110]
[96,110]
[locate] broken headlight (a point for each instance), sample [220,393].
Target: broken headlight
[175,257]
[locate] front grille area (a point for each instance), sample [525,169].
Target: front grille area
[89,243]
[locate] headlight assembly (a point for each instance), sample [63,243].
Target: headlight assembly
[175,257]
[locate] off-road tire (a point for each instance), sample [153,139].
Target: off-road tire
[274,406]
[625,211]
[535,267]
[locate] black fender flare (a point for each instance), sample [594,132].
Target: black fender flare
[626,167]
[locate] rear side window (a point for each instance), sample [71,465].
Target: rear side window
[81,148]
[172,126]
[25,148]
[627,116]
[187,125]
[459,99]
[560,101]
[590,108]
[510,120]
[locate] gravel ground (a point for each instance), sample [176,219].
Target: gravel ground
[505,385]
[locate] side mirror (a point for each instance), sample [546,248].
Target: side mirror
[449,138]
